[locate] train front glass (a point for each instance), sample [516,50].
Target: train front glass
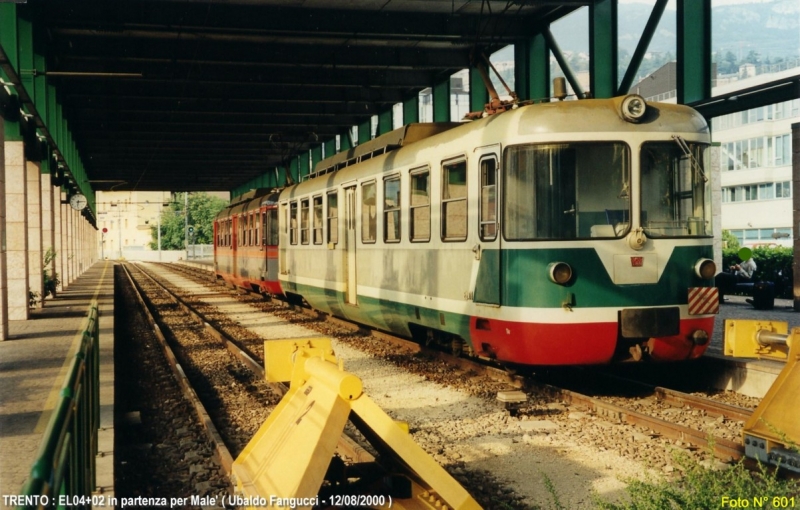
[676,190]
[583,190]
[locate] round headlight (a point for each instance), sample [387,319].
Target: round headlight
[559,272]
[705,269]
[633,108]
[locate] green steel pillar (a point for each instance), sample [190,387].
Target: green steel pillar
[316,156]
[303,165]
[385,121]
[294,169]
[441,101]
[478,95]
[694,50]
[9,41]
[365,131]
[411,110]
[532,68]
[603,48]
[344,141]
[330,147]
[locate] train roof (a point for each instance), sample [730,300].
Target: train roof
[249,201]
[538,123]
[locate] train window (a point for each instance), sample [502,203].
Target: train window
[369,220]
[676,193]
[293,223]
[304,214]
[272,227]
[420,227]
[488,204]
[317,220]
[333,217]
[391,210]
[257,236]
[454,201]
[566,191]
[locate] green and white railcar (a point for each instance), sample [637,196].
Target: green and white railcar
[561,233]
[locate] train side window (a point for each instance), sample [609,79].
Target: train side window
[488,204]
[369,220]
[293,223]
[304,214]
[257,233]
[317,220]
[272,227]
[391,210]
[454,201]
[333,217]
[420,217]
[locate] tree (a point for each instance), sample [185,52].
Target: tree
[202,210]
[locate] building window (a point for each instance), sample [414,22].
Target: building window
[454,201]
[369,220]
[391,210]
[333,217]
[420,217]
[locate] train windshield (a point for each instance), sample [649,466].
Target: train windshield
[566,191]
[676,199]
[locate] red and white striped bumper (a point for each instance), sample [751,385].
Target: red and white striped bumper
[703,300]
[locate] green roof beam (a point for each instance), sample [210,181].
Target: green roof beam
[411,110]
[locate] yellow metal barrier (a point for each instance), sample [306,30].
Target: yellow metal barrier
[290,461]
[772,434]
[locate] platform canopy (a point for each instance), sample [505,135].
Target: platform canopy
[202,95]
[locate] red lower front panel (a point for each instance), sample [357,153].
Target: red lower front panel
[574,344]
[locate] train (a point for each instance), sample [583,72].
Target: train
[558,233]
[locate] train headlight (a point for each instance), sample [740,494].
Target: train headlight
[705,269]
[633,108]
[559,272]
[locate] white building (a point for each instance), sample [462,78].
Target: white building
[756,165]
[124,219]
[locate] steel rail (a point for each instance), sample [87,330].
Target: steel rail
[346,446]
[724,449]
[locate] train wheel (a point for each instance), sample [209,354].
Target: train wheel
[457,347]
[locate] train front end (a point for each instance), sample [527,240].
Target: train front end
[607,239]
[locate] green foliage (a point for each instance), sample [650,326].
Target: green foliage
[730,241]
[202,210]
[51,282]
[701,488]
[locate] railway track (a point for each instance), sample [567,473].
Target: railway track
[708,423]
[684,420]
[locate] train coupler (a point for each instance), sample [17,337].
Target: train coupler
[297,453]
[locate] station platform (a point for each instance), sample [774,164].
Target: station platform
[33,367]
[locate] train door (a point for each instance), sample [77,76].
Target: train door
[271,243]
[486,274]
[350,243]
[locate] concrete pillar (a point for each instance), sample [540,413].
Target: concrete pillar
[71,243]
[65,250]
[16,231]
[48,224]
[3,230]
[33,175]
[58,236]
